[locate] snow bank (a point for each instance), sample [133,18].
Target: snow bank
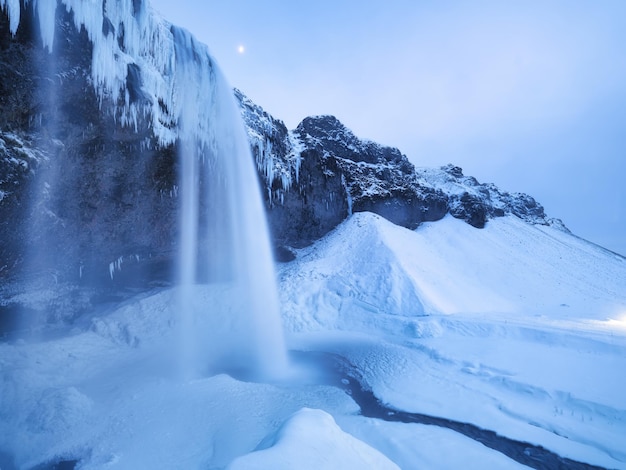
[111,397]
[417,446]
[311,439]
[350,273]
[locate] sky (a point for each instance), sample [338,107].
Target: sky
[527,94]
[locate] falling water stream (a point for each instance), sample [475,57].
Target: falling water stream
[228,297]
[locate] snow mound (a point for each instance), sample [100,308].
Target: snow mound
[351,272]
[311,439]
[369,273]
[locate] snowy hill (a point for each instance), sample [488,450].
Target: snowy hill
[368,266]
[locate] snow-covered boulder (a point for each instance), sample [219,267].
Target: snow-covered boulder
[310,439]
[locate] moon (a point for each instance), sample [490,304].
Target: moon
[241,49]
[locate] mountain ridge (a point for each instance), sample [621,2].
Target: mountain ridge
[366,176]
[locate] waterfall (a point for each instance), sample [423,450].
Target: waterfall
[145,69]
[228,298]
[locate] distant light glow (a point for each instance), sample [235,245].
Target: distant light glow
[241,49]
[619,321]
[614,323]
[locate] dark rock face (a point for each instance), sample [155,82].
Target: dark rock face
[469,208]
[312,208]
[319,173]
[302,189]
[476,203]
[375,178]
[79,191]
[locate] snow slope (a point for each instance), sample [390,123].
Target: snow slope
[517,329]
[511,268]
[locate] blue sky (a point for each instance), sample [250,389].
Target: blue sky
[528,94]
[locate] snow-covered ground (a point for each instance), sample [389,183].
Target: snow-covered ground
[515,328]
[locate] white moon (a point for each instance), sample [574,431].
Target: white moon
[241,49]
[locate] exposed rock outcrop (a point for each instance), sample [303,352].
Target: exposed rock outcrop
[320,172]
[476,203]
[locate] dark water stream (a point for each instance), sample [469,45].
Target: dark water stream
[341,373]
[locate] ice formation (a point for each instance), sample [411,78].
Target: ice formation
[264,132]
[139,43]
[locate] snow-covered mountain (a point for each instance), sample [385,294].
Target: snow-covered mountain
[432,321]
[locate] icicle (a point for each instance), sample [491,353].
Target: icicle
[164,56]
[115,266]
[348,195]
[12,8]
[46,11]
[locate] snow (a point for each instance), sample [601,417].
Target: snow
[421,446]
[449,267]
[523,322]
[108,391]
[312,436]
[113,391]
